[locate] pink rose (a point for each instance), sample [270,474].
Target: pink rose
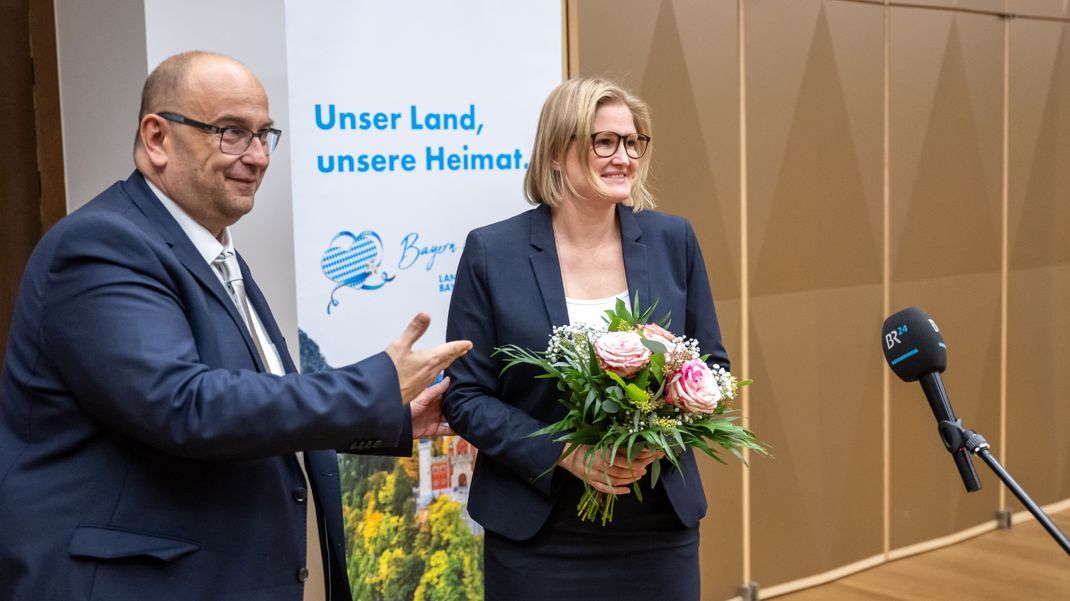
[656,333]
[693,388]
[622,353]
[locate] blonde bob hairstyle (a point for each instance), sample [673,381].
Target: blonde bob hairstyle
[566,117]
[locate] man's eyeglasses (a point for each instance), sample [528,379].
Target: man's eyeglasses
[232,140]
[605,144]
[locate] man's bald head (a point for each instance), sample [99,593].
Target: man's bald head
[168,82]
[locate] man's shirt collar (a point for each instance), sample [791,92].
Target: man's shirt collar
[207,245]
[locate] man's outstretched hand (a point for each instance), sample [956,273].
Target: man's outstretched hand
[418,369]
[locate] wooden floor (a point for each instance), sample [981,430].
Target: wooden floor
[1023,562]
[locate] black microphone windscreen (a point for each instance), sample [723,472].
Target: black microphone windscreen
[913,345]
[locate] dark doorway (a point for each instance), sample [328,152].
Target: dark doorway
[31,155]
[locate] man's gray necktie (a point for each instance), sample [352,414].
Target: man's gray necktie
[227,265]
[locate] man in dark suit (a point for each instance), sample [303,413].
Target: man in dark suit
[156,441]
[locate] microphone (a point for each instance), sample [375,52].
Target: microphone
[915,350]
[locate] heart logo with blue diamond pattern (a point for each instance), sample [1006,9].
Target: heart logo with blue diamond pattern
[354,262]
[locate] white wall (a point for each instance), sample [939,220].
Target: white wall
[102,66]
[106,49]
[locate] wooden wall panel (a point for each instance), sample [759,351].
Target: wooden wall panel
[814,148]
[965,5]
[946,213]
[46,104]
[1037,447]
[20,216]
[1038,8]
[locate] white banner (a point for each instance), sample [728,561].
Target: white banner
[410,124]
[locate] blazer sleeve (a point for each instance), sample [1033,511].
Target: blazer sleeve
[700,321]
[498,429]
[119,330]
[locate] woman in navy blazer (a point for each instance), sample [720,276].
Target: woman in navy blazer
[588,242]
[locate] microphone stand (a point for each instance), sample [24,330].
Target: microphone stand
[956,438]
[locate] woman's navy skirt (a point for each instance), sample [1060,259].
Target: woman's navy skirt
[644,553]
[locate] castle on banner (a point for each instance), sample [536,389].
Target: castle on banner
[446,465]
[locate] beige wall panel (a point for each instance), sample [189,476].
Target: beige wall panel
[1038,381]
[815,146]
[1037,449]
[1039,8]
[814,123]
[985,5]
[696,170]
[817,504]
[946,212]
[615,38]
[1036,65]
[681,57]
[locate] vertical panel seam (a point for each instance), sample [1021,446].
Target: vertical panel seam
[744,280]
[1004,256]
[567,49]
[886,293]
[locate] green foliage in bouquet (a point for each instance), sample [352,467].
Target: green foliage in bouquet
[630,386]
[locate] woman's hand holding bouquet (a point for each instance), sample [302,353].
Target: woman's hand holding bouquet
[635,393]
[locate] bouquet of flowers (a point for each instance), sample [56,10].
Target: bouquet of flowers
[632,385]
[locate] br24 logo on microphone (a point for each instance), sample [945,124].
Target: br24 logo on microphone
[892,338]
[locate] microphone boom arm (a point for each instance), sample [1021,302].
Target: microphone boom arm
[954,435]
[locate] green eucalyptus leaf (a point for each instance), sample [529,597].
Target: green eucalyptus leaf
[655,346]
[655,473]
[657,367]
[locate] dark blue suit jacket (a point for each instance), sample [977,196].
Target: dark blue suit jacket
[509,291]
[142,455]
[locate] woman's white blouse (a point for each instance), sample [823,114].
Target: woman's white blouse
[592,311]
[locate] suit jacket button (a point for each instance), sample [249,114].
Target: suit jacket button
[302,574]
[300,494]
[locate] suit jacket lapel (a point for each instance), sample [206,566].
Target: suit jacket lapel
[635,259]
[186,252]
[546,266]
